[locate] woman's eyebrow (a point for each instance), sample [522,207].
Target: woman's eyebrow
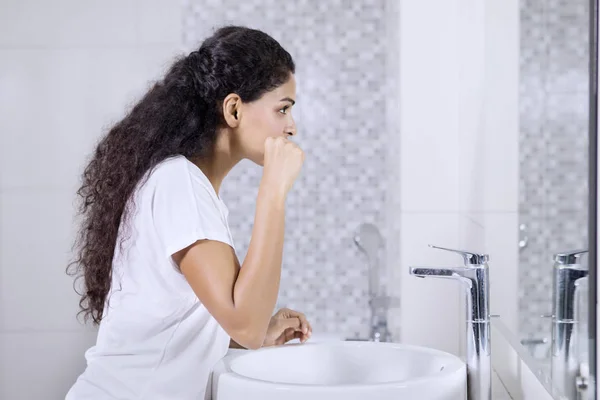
[288,99]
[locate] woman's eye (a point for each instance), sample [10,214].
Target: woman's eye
[284,110]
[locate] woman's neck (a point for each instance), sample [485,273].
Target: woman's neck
[217,166]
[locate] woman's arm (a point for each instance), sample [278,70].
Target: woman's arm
[241,300]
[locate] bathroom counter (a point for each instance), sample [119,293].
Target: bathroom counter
[499,391]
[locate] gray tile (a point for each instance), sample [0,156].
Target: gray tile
[567,24]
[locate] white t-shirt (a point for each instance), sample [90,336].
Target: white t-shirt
[156,340]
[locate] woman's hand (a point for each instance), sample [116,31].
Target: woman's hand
[287,325]
[282,163]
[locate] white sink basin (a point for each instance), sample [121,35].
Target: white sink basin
[340,370]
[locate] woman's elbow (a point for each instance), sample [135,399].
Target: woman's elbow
[249,340]
[255,344]
[247,335]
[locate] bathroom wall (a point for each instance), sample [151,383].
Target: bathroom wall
[553,139]
[67,70]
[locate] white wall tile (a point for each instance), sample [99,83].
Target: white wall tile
[429,107]
[501,165]
[472,173]
[429,172]
[158,21]
[43,119]
[36,237]
[472,232]
[489,110]
[67,23]
[471,60]
[501,151]
[54,104]
[41,365]
[429,307]
[121,77]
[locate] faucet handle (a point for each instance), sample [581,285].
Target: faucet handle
[468,257]
[569,257]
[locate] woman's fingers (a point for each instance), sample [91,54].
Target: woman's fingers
[287,323]
[299,336]
[304,325]
[290,334]
[291,328]
[298,321]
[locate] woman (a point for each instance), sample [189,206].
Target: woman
[155,250]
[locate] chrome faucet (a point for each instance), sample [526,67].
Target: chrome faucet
[474,276]
[568,274]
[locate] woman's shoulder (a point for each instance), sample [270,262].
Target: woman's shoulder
[172,170]
[178,173]
[171,165]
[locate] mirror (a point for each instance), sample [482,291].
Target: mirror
[554,191]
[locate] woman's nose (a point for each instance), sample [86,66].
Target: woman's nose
[291,130]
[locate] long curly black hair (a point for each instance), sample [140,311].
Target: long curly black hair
[179,115]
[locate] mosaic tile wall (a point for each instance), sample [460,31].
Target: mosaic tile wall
[553,147]
[340,52]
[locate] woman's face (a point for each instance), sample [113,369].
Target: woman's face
[270,115]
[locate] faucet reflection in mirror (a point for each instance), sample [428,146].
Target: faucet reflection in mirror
[567,361]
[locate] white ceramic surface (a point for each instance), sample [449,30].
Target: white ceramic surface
[340,370]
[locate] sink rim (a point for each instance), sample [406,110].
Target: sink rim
[454,367]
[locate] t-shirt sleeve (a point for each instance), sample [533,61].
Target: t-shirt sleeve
[185,211]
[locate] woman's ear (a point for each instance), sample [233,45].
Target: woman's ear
[232,110]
